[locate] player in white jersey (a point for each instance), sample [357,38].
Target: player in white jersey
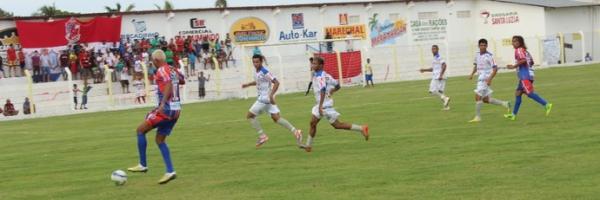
[438,80]
[324,86]
[486,67]
[267,85]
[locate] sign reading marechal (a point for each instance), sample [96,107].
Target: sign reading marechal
[250,30]
[338,32]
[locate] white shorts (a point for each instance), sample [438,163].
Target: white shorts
[437,85]
[258,108]
[328,113]
[483,89]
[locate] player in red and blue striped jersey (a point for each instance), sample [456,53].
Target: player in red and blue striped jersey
[524,64]
[163,117]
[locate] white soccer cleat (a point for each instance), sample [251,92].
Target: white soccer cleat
[475,120]
[167,177]
[138,168]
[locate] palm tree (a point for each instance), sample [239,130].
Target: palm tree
[117,8]
[373,21]
[168,6]
[4,13]
[221,3]
[50,11]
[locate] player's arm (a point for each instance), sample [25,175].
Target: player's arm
[443,71]
[249,84]
[473,72]
[181,78]
[521,59]
[494,71]
[322,99]
[274,90]
[426,70]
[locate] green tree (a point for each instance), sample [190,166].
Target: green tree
[373,21]
[117,8]
[221,3]
[167,6]
[51,11]
[4,13]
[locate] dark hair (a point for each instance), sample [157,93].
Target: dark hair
[255,56]
[320,60]
[520,40]
[435,46]
[483,41]
[310,59]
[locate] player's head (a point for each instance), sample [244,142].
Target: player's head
[201,73]
[368,60]
[483,44]
[74,85]
[257,61]
[435,49]
[317,63]
[159,58]
[518,42]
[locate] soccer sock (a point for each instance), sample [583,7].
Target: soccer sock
[517,105]
[286,124]
[478,105]
[141,143]
[498,102]
[164,150]
[309,141]
[256,125]
[356,128]
[537,98]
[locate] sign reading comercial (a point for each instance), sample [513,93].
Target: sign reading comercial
[250,30]
[338,32]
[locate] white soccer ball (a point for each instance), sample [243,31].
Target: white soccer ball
[119,177]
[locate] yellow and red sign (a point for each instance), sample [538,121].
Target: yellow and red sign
[250,30]
[338,32]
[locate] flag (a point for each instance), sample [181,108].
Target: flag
[58,34]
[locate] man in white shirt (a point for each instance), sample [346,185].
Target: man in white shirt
[438,80]
[486,66]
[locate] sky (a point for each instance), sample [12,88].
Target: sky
[26,7]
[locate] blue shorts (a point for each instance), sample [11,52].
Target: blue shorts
[45,70]
[369,77]
[163,122]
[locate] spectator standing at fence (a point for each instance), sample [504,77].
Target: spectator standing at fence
[369,73]
[36,63]
[329,45]
[169,53]
[192,62]
[54,65]
[21,57]
[9,109]
[124,72]
[140,93]
[588,58]
[205,45]
[1,68]
[11,57]
[201,85]
[64,63]
[75,93]
[100,68]
[45,63]
[27,106]
[84,96]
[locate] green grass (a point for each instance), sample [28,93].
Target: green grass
[416,151]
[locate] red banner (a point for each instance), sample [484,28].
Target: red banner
[351,64]
[61,32]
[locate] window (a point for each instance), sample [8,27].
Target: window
[428,15]
[463,14]
[354,19]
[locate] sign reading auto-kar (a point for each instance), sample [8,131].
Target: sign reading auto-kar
[297,26]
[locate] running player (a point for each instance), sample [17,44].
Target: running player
[324,86]
[266,85]
[438,81]
[524,64]
[486,66]
[164,117]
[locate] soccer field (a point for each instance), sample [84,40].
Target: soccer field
[416,150]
